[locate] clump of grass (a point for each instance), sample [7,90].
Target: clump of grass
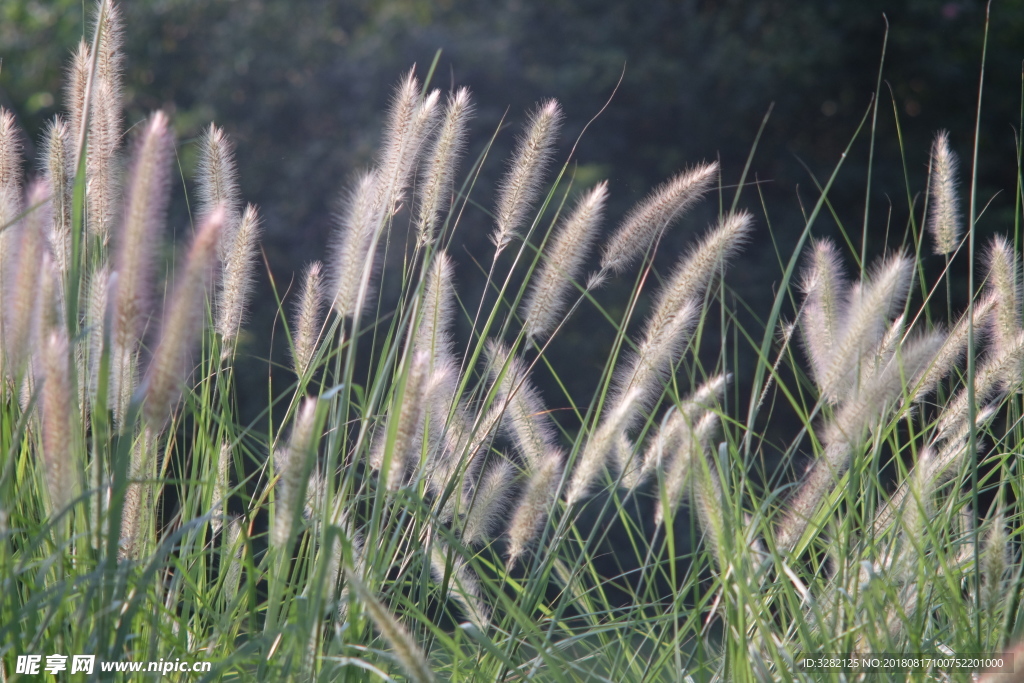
[430,506]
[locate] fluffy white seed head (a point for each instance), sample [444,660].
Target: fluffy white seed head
[77,77]
[410,121]
[138,241]
[676,308]
[824,286]
[221,486]
[944,211]
[351,261]
[591,460]
[22,271]
[408,653]
[59,174]
[524,416]
[463,582]
[431,334]
[96,309]
[488,502]
[1000,371]
[870,307]
[646,222]
[1003,283]
[58,423]
[534,507]
[562,260]
[217,184]
[236,279]
[294,462]
[403,433]
[169,366]
[308,321]
[106,125]
[442,162]
[954,346]
[519,188]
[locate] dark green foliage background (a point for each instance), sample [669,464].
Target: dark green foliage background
[300,87]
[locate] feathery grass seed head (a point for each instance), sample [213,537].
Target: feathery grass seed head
[562,260]
[488,502]
[869,310]
[524,418]
[651,217]
[824,287]
[294,463]
[351,261]
[944,211]
[465,587]
[58,423]
[21,287]
[1004,283]
[236,279]
[217,183]
[595,452]
[430,335]
[77,78]
[520,186]
[675,310]
[184,317]
[144,218]
[409,122]
[534,507]
[307,318]
[439,174]
[408,653]
[407,421]
[59,176]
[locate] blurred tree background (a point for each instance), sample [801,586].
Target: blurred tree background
[301,87]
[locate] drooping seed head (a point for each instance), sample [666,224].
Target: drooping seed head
[535,505]
[524,415]
[675,310]
[464,584]
[646,222]
[488,502]
[592,459]
[408,653]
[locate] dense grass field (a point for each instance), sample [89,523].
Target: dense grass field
[436,505]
